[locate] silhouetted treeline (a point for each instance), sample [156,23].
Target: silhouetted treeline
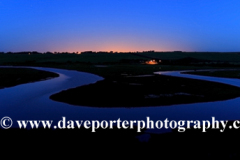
[137,53]
[25,52]
[84,52]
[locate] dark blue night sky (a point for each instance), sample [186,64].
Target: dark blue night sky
[119,25]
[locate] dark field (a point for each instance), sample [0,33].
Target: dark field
[108,58]
[111,65]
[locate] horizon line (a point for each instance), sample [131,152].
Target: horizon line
[147,51]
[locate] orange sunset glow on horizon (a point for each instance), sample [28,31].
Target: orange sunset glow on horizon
[115,48]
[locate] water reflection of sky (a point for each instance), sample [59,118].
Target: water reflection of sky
[31,102]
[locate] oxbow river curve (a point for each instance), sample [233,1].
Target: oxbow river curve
[31,102]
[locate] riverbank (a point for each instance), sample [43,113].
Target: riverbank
[10,77]
[218,73]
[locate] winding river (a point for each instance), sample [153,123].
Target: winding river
[31,102]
